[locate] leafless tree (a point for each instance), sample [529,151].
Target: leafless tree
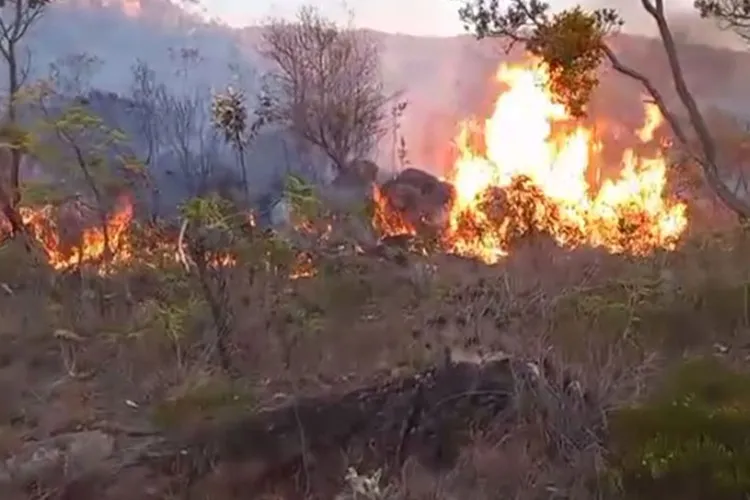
[186,124]
[144,95]
[329,85]
[71,74]
[574,42]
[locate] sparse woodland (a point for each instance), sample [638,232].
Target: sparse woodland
[336,354]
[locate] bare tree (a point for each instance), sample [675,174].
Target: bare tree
[328,79]
[16,19]
[72,74]
[573,43]
[187,126]
[144,95]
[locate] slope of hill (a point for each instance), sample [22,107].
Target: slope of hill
[448,68]
[444,79]
[119,38]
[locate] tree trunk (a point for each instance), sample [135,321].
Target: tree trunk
[15,152]
[708,159]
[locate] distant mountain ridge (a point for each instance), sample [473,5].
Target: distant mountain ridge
[121,31]
[445,79]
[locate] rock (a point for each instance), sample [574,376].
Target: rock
[71,455]
[280,214]
[353,187]
[359,172]
[422,198]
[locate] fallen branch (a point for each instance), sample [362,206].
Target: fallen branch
[182,256]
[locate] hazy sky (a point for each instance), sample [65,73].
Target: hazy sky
[418,17]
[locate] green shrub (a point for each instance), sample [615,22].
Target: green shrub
[691,440]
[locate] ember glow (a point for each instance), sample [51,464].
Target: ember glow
[526,168]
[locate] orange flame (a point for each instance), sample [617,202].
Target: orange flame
[388,220]
[517,175]
[97,243]
[92,249]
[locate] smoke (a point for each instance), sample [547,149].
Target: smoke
[684,20]
[447,80]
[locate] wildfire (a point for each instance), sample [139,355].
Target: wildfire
[111,236]
[110,245]
[387,219]
[526,170]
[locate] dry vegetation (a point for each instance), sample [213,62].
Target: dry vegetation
[133,354]
[210,359]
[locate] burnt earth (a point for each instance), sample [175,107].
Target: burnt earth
[428,416]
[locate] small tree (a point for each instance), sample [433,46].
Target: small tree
[17,17]
[86,151]
[574,42]
[230,115]
[329,84]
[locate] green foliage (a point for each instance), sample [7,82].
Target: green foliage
[691,440]
[212,212]
[172,319]
[41,193]
[570,43]
[229,114]
[205,400]
[86,147]
[302,197]
[16,137]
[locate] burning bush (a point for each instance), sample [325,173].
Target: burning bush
[544,172]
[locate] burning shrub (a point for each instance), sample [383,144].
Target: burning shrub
[529,175]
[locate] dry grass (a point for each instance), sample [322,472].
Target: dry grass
[136,351]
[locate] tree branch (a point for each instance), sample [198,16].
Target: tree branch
[709,151]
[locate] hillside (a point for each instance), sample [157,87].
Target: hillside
[531,328]
[446,79]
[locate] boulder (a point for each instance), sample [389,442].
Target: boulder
[353,186]
[366,170]
[422,198]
